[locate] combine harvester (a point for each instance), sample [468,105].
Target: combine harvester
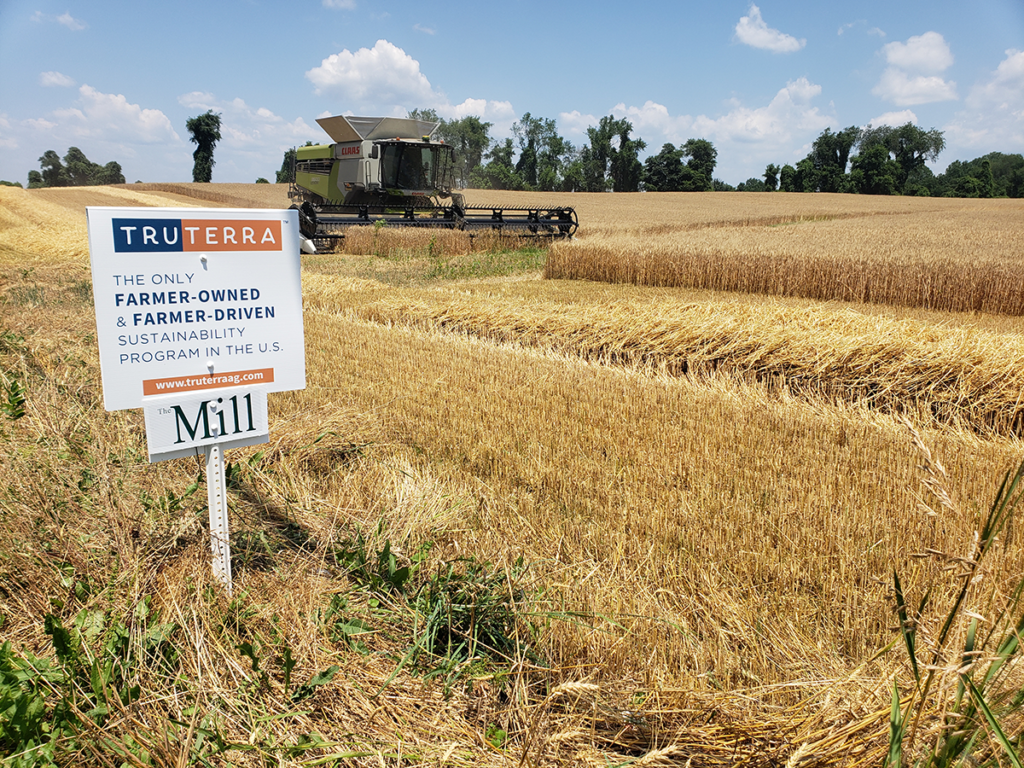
[388,169]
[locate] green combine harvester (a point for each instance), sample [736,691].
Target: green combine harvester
[388,169]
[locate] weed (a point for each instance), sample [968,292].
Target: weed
[986,694]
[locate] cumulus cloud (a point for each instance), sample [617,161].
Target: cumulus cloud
[895,119]
[914,74]
[753,31]
[55,80]
[928,53]
[789,113]
[654,118]
[1004,88]
[344,5]
[114,118]
[384,76]
[904,90]
[250,129]
[995,119]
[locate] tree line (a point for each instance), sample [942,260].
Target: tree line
[886,160]
[892,161]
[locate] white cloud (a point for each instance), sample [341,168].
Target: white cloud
[903,90]
[995,118]
[928,53]
[67,20]
[575,124]
[895,119]
[1004,89]
[789,113]
[113,118]
[55,79]
[655,118]
[914,72]
[345,5]
[251,129]
[425,30]
[7,140]
[382,78]
[753,31]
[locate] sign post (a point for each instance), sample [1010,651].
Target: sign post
[198,317]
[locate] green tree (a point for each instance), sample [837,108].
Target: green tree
[53,174]
[612,157]
[205,132]
[752,185]
[35,180]
[663,171]
[787,178]
[874,173]
[4,183]
[287,173]
[830,154]
[771,177]
[702,158]
[911,147]
[500,171]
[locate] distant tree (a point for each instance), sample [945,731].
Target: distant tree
[787,178]
[771,177]
[470,138]
[663,171]
[720,186]
[261,180]
[702,159]
[287,173]
[806,177]
[752,185]
[500,171]
[874,173]
[54,174]
[612,157]
[4,183]
[911,147]
[205,132]
[625,168]
[830,154]
[35,180]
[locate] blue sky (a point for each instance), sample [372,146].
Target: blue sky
[761,81]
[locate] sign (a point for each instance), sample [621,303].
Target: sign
[193,299]
[187,424]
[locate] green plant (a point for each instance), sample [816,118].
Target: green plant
[377,569]
[987,693]
[13,403]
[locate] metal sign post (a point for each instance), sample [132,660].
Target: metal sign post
[216,495]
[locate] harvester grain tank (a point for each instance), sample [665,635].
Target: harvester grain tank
[390,170]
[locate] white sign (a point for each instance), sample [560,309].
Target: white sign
[187,424]
[195,299]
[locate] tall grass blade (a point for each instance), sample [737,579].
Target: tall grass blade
[993,723]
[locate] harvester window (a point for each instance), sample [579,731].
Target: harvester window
[407,167]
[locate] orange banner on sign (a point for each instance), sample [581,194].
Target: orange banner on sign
[230,235]
[206,381]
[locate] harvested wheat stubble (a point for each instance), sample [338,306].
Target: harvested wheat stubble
[964,377]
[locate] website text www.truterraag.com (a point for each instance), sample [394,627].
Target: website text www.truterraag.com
[206,381]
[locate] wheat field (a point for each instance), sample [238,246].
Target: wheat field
[693,496]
